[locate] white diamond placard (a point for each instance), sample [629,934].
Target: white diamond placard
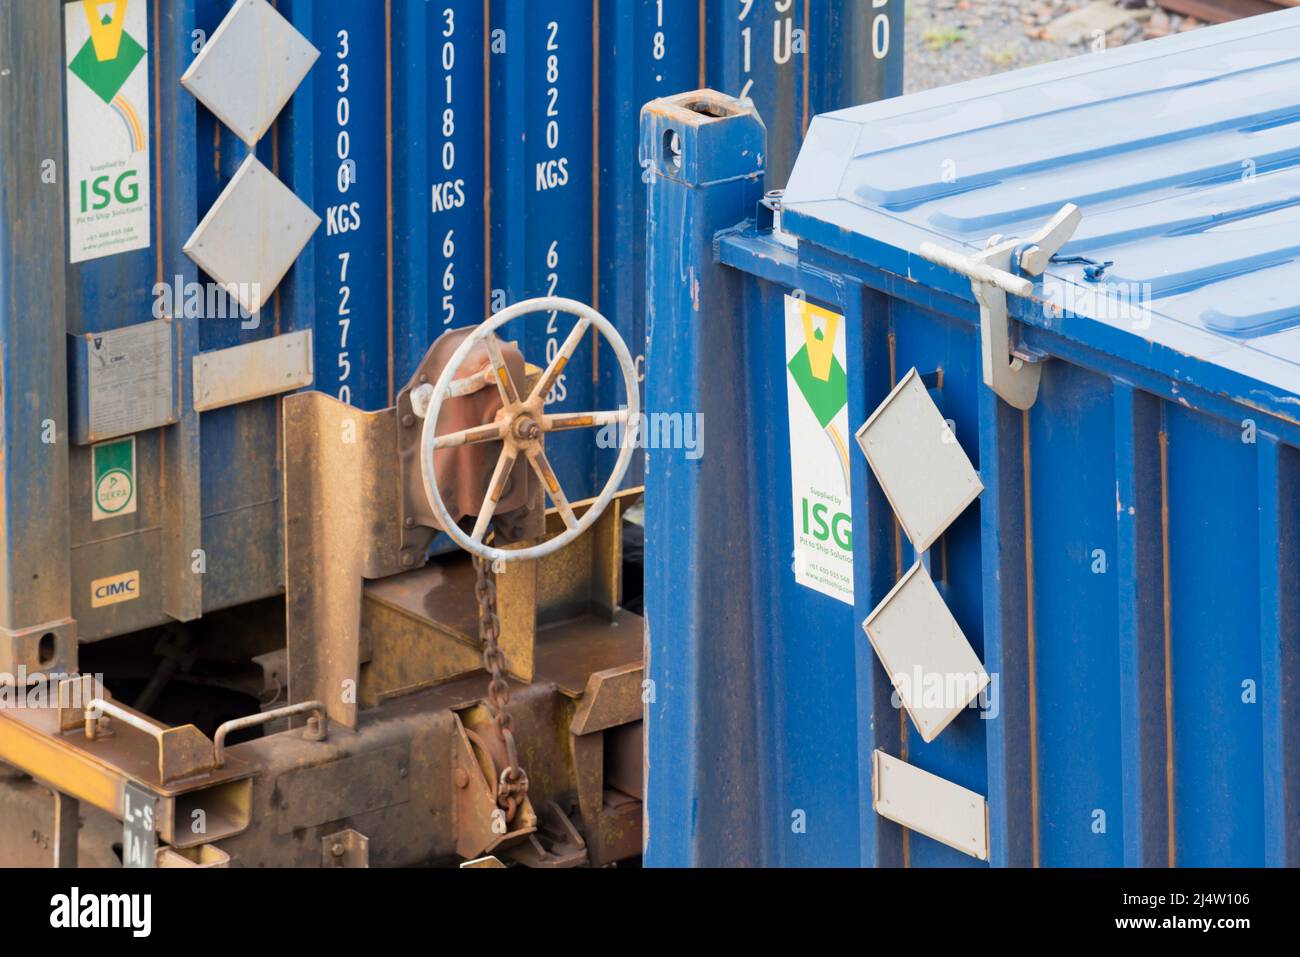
[930,663]
[249,68]
[252,234]
[926,476]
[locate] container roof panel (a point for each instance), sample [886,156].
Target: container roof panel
[1184,154]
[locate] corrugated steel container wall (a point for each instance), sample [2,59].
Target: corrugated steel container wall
[430,218]
[1130,574]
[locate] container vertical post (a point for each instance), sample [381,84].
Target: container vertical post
[181,443]
[35,599]
[706,173]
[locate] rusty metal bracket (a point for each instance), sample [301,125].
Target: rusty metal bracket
[340,526]
[47,648]
[1013,377]
[481,827]
[202,857]
[346,848]
[182,752]
[556,844]
[467,470]
[612,698]
[354,509]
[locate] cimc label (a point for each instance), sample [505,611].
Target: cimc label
[817,391]
[112,487]
[108,127]
[115,589]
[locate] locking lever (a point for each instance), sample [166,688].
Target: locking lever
[1011,377]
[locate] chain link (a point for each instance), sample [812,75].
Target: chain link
[514,782]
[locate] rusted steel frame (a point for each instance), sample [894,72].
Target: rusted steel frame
[95,771]
[182,752]
[340,527]
[67,825]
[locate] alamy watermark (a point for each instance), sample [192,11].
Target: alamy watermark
[206,300]
[947,690]
[658,430]
[36,689]
[1120,303]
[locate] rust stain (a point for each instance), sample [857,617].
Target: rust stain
[1169,658]
[1030,635]
[704,79]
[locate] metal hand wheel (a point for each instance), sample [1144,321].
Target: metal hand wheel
[520,425]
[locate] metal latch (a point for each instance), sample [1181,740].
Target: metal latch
[1013,378]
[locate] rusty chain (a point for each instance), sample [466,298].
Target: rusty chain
[513,785]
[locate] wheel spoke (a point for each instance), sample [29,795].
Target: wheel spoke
[473,436]
[495,490]
[537,459]
[561,359]
[561,421]
[505,384]
[471,383]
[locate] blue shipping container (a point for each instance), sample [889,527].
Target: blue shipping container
[426,137]
[1090,434]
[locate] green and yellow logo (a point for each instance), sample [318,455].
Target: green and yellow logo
[816,370]
[106,61]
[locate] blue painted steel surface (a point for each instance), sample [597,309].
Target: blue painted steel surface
[795,60]
[541,105]
[439,174]
[339,145]
[1129,574]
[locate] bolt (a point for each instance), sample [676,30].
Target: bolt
[403,772]
[410,522]
[408,420]
[461,778]
[407,559]
[337,849]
